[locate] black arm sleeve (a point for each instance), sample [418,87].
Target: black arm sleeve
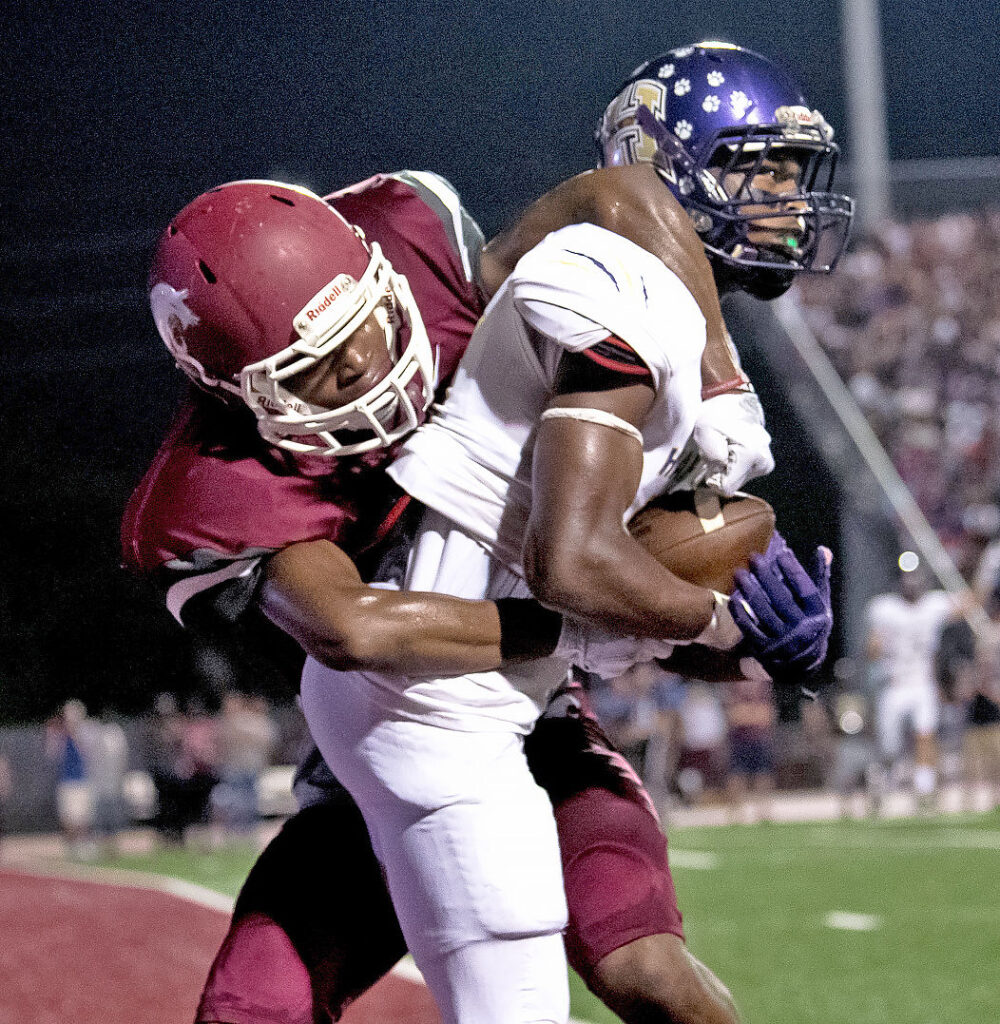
[609,364]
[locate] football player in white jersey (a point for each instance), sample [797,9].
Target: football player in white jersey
[528,471]
[904,628]
[519,458]
[227,523]
[570,408]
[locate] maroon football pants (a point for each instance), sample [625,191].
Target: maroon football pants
[314,927]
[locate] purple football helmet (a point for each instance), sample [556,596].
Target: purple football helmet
[714,117]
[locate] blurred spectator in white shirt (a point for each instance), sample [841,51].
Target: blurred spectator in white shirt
[107,764]
[701,765]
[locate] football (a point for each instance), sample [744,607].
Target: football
[703,537]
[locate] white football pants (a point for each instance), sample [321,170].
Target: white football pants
[469,848]
[466,838]
[916,705]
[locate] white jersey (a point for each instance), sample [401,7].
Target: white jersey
[907,634]
[472,461]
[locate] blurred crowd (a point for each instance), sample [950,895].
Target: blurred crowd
[921,703]
[697,744]
[911,320]
[205,767]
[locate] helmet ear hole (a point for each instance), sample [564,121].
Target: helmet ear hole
[206,272]
[283,199]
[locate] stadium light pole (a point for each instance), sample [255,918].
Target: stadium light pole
[865,82]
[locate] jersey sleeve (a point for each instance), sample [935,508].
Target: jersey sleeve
[582,284]
[438,195]
[461,228]
[617,357]
[605,366]
[211,584]
[203,521]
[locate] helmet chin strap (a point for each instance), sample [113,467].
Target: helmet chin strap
[761,283]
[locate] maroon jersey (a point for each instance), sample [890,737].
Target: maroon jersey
[217,500]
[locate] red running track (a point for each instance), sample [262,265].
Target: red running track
[78,951]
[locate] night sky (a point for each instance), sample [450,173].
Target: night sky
[121,112]
[116,114]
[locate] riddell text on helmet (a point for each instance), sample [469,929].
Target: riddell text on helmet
[340,284]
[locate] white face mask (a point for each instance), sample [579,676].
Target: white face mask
[389,411]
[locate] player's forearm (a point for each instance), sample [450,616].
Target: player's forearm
[425,634]
[313,592]
[418,634]
[613,582]
[389,631]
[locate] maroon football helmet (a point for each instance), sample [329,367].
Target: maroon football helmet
[256,281]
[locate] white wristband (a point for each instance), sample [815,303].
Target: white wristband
[721,633]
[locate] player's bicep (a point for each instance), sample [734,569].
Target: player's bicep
[586,470]
[306,588]
[588,453]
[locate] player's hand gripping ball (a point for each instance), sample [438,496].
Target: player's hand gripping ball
[700,536]
[784,610]
[703,537]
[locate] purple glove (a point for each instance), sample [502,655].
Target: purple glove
[783,611]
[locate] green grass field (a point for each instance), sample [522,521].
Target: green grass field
[889,922]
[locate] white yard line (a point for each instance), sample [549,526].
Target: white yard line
[890,841]
[849,921]
[971,838]
[697,860]
[189,891]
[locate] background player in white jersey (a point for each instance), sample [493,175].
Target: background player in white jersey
[904,628]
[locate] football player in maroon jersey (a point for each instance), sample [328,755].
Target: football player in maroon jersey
[274,526]
[230,524]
